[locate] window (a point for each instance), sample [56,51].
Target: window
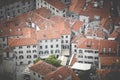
[75,50]
[53,8]
[33,73]
[29,62]
[46,52]
[17,6]
[28,51]
[34,51]
[57,45]
[80,51]
[20,52]
[96,57]
[16,52]
[66,36]
[63,11]
[46,46]
[35,56]
[20,47]
[40,47]
[29,56]
[16,57]
[62,41]
[34,46]
[45,3]
[28,46]
[40,41]
[18,11]
[3,39]
[109,50]
[39,76]
[57,11]
[7,54]
[51,46]
[57,51]
[41,52]
[21,63]
[21,57]
[96,51]
[51,51]
[45,40]
[66,41]
[74,45]
[104,50]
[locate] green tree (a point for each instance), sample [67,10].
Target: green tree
[38,59]
[53,60]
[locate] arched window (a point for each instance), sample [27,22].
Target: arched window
[29,62]
[28,56]
[21,63]
[21,57]
[35,56]
[46,52]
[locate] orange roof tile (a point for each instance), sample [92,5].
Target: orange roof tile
[61,25]
[21,42]
[61,74]
[107,61]
[42,68]
[76,26]
[90,10]
[47,34]
[44,12]
[97,44]
[98,33]
[113,35]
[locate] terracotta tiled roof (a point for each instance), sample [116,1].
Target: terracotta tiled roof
[107,61]
[44,12]
[61,74]
[114,34]
[106,23]
[98,33]
[61,25]
[42,68]
[76,26]
[87,43]
[77,6]
[97,44]
[48,34]
[22,42]
[76,38]
[57,4]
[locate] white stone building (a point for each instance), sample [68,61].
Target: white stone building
[55,6]
[13,8]
[49,43]
[86,51]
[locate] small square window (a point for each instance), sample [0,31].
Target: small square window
[51,46]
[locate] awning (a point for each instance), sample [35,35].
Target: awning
[81,66]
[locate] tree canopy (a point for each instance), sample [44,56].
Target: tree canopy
[53,60]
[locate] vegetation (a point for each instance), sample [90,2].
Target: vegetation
[38,59]
[51,60]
